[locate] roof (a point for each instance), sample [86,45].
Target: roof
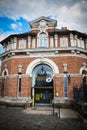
[57,31]
[49,20]
[17,35]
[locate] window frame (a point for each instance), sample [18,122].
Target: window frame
[63,42]
[43,40]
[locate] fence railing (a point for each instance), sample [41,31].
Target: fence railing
[80,94]
[80,99]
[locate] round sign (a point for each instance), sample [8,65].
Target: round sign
[49,80]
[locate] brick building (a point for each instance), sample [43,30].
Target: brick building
[43,64]
[0,71]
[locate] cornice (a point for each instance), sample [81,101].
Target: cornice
[41,50]
[44,55]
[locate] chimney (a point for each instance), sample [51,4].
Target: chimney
[64,28]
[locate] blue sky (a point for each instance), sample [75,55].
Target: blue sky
[9,26]
[14,26]
[16,14]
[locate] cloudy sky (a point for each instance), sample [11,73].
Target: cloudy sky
[15,15]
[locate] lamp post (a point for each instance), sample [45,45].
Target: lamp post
[58,102]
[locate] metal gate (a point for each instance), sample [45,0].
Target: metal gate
[43,89]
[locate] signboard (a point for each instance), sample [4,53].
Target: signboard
[48,80]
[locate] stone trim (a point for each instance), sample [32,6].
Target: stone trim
[57,55]
[81,69]
[15,76]
[27,75]
[38,61]
[5,70]
[44,50]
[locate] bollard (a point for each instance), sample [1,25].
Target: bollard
[58,110]
[53,108]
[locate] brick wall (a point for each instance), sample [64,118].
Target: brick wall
[74,82]
[26,87]
[58,86]
[74,65]
[11,86]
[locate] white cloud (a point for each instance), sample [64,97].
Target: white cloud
[13,26]
[72,17]
[17,27]
[70,13]
[20,24]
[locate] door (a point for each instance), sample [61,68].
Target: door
[43,95]
[43,84]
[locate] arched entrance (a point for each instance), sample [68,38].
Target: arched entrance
[42,80]
[32,72]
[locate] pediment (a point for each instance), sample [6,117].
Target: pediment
[43,21]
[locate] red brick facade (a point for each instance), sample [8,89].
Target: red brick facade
[55,56]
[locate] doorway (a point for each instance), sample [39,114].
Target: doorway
[42,84]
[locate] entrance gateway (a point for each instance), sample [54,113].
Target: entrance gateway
[42,71]
[42,81]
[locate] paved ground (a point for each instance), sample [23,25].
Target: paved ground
[37,119]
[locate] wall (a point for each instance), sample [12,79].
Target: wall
[74,64]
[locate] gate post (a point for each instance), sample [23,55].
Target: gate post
[32,96]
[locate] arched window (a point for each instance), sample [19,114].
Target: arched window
[43,41]
[40,72]
[5,71]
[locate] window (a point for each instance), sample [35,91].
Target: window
[22,44]
[43,40]
[19,86]
[5,71]
[8,46]
[65,86]
[43,70]
[63,42]
[13,45]
[4,47]
[86,45]
[56,40]
[73,42]
[81,43]
[33,43]
[51,42]
[29,41]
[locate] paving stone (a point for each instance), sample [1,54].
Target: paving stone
[24,119]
